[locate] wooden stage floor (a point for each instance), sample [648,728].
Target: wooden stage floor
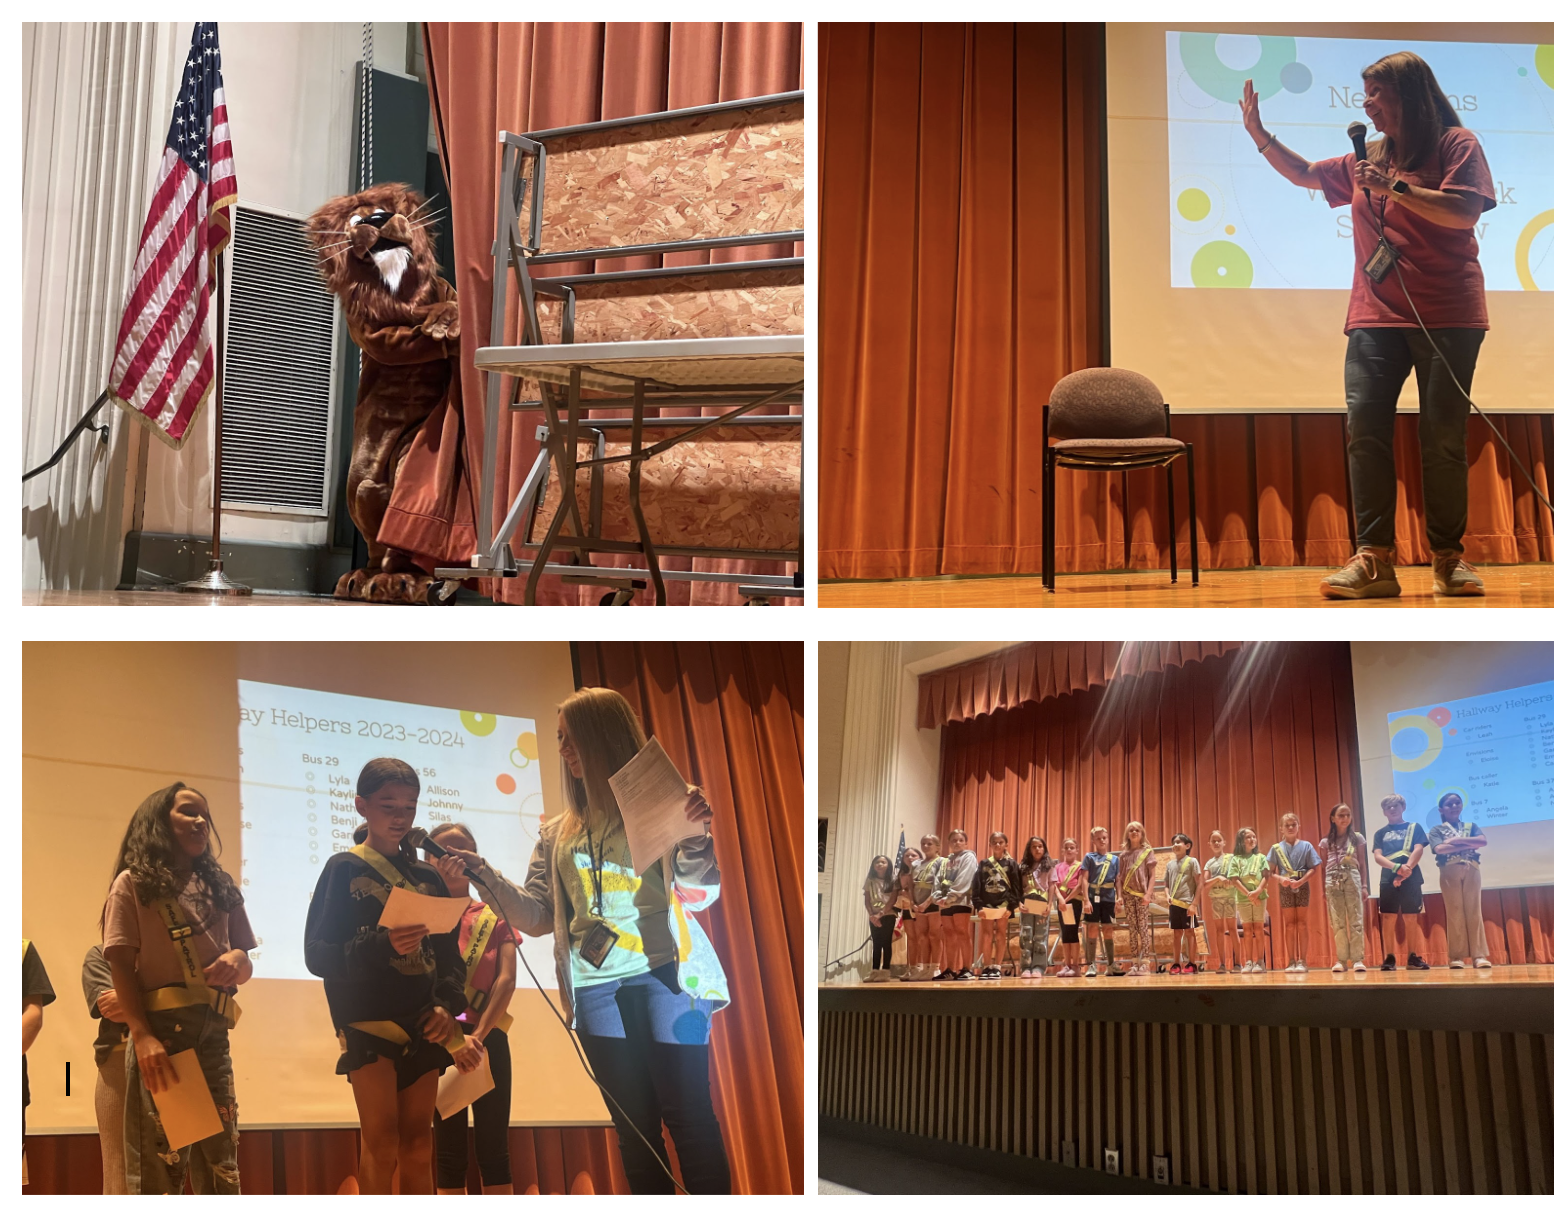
[1438,977]
[167,598]
[1508,586]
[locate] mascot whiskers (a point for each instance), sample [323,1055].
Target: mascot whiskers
[408,491]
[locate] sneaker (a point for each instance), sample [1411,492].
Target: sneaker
[1359,968]
[1453,576]
[1368,575]
[1414,962]
[1191,968]
[966,976]
[1484,964]
[1091,971]
[911,975]
[1389,963]
[1064,971]
[1248,967]
[1458,965]
[942,976]
[1338,968]
[991,972]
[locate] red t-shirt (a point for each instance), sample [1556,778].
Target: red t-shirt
[1439,264]
[488,964]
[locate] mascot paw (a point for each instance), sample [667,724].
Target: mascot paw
[351,585]
[399,588]
[443,322]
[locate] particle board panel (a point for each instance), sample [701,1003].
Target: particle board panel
[729,173]
[762,303]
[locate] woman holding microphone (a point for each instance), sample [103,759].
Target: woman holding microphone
[638,979]
[1421,191]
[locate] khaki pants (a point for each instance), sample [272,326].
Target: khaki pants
[1344,902]
[1462,887]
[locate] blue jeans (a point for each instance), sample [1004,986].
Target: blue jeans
[213,1163]
[650,1048]
[1378,361]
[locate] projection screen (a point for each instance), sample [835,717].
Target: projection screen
[1228,285]
[106,724]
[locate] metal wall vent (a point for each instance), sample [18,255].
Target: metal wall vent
[277,370]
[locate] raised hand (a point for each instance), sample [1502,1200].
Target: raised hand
[1249,107]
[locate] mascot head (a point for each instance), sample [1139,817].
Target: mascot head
[374,251]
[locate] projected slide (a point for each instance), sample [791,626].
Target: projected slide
[1495,750]
[300,753]
[1237,223]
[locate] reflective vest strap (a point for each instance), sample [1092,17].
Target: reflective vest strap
[1281,854]
[482,929]
[386,870]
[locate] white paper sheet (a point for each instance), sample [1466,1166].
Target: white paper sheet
[652,795]
[1067,913]
[457,1091]
[990,912]
[1035,906]
[404,908]
[186,1108]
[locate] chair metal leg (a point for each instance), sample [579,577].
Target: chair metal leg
[1194,537]
[1172,527]
[1050,510]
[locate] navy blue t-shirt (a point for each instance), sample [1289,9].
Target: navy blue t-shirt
[1390,839]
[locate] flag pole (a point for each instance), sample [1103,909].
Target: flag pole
[214,580]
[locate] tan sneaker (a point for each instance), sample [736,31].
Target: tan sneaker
[1368,575]
[1453,576]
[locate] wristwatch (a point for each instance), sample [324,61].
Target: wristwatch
[1399,187]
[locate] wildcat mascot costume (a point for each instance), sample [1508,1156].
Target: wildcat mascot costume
[409,490]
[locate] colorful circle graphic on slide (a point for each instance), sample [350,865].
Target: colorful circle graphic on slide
[1207,69]
[527,744]
[1194,205]
[1405,753]
[1197,205]
[1544,60]
[479,724]
[505,783]
[1221,263]
[1523,249]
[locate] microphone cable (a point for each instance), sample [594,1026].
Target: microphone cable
[571,1033]
[845,956]
[1396,263]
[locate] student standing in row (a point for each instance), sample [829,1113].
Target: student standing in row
[1069,883]
[1136,870]
[879,896]
[1037,883]
[108,1053]
[1346,884]
[1102,874]
[177,940]
[1247,870]
[37,993]
[996,892]
[924,941]
[1181,881]
[1293,861]
[955,908]
[1221,894]
[1456,847]
[1398,847]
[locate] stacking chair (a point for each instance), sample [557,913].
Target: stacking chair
[1108,420]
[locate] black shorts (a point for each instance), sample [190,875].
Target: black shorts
[413,1060]
[1101,912]
[1180,919]
[1405,899]
[955,910]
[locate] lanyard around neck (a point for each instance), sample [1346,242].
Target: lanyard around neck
[595,864]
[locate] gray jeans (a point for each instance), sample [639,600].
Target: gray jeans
[212,1163]
[1462,887]
[1034,941]
[1344,902]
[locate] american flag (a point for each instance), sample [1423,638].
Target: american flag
[163,365]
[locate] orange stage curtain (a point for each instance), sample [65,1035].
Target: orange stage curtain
[731,716]
[1039,670]
[1230,741]
[962,265]
[525,76]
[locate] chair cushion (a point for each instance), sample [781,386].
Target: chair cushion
[1106,402]
[1110,447]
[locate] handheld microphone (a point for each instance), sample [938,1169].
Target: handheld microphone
[1358,133]
[419,837]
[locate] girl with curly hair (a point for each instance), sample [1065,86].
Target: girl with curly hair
[177,941]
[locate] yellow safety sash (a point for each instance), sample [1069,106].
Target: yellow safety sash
[1281,855]
[1136,893]
[1183,867]
[195,992]
[1102,884]
[389,1030]
[1245,877]
[1406,846]
[1069,876]
[482,929]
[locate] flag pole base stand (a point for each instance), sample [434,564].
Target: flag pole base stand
[214,581]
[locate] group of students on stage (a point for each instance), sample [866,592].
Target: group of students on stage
[938,897]
[636,974]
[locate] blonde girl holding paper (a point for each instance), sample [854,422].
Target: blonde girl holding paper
[1069,884]
[1136,872]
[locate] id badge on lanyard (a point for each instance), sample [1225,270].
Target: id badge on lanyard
[600,938]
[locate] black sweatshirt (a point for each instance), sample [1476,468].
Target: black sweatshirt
[366,979]
[998,883]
